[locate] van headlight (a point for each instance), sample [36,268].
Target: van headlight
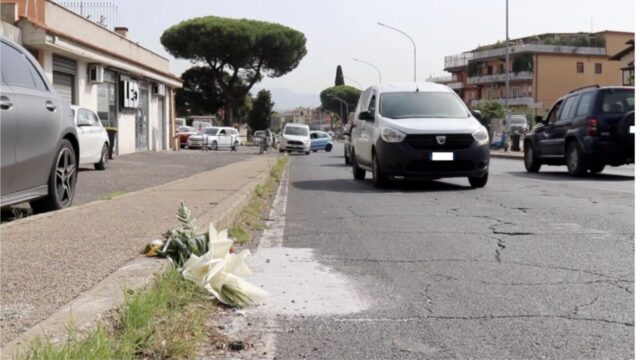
[481,135]
[392,135]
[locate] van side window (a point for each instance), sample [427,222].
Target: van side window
[372,105]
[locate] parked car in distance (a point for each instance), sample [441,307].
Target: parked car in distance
[347,145]
[517,124]
[184,132]
[320,140]
[586,130]
[180,122]
[295,137]
[39,142]
[93,138]
[417,130]
[215,138]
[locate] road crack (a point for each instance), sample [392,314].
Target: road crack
[577,308]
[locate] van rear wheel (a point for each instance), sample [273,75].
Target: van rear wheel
[358,173]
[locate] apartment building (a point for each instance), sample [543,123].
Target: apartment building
[97,66]
[541,68]
[626,58]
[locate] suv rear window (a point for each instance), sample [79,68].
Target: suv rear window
[618,101]
[422,105]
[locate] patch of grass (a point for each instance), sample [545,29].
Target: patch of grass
[112,194]
[251,217]
[164,321]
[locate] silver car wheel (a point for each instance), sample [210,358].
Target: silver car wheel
[65,177]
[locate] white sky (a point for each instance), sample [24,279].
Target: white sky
[337,31]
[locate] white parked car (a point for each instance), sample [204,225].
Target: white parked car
[93,138]
[215,137]
[295,137]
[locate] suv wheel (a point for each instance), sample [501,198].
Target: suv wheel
[531,161]
[328,148]
[576,160]
[379,178]
[346,158]
[479,182]
[358,173]
[62,181]
[104,159]
[214,145]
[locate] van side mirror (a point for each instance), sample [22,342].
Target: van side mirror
[477,114]
[539,120]
[366,116]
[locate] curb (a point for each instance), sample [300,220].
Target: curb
[506,156]
[94,304]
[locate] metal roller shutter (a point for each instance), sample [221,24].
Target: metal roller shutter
[64,75]
[64,85]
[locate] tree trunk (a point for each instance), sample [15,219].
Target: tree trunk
[227,113]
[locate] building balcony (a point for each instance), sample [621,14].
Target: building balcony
[488,79]
[456,85]
[514,101]
[443,79]
[461,60]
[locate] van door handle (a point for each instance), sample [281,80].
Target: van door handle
[50,106]
[5,103]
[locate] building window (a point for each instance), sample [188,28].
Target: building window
[628,77]
[490,70]
[515,92]
[598,68]
[107,111]
[501,69]
[580,67]
[490,93]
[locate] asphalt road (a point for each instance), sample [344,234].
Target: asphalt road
[532,266]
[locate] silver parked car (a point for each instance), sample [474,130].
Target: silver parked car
[39,139]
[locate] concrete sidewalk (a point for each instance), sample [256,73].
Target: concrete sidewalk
[51,259]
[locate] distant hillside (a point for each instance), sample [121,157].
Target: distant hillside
[285,99]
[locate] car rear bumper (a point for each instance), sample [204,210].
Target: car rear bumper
[609,151]
[402,160]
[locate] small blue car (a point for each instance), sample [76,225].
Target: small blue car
[320,140]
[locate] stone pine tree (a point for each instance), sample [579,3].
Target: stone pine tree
[260,114]
[239,52]
[339,76]
[347,93]
[199,94]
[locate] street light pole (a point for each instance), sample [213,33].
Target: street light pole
[357,83]
[508,67]
[412,42]
[346,107]
[373,66]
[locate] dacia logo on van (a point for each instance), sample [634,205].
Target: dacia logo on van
[441,140]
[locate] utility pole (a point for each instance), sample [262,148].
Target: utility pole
[508,69]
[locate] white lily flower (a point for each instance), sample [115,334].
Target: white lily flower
[236,264]
[219,243]
[200,269]
[245,292]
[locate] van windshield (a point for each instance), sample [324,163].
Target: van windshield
[422,105]
[296,130]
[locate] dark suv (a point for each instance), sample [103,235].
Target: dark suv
[585,130]
[39,140]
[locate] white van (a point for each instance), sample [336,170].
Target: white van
[417,130]
[296,137]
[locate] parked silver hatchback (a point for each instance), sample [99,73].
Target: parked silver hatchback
[39,141]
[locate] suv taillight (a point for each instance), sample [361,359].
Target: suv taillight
[592,127]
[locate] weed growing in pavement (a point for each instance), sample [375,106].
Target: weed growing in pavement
[251,217]
[166,320]
[112,194]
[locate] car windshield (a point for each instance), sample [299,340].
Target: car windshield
[422,105]
[618,101]
[296,130]
[211,131]
[259,133]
